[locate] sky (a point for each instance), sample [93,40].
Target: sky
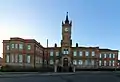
[95,22]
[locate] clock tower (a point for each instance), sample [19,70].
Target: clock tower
[66,42]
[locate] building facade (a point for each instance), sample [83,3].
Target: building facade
[30,53]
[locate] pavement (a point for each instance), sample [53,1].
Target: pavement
[83,76]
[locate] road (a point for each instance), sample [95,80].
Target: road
[79,77]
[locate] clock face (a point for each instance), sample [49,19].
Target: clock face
[66,29]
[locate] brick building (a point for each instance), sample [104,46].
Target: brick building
[0,61]
[30,53]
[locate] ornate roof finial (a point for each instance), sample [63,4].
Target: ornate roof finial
[67,20]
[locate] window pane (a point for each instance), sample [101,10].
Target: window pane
[109,63]
[80,53]
[20,59]
[57,53]
[28,58]
[105,56]
[8,47]
[92,62]
[93,53]
[20,46]
[110,55]
[12,45]
[12,58]
[7,58]
[16,45]
[113,55]
[100,55]
[87,53]
[16,58]
[74,62]
[100,63]
[28,46]
[75,53]
[51,62]
[51,53]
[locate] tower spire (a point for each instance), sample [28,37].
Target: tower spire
[67,20]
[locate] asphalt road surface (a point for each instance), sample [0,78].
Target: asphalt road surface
[80,77]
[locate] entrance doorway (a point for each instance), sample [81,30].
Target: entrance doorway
[65,62]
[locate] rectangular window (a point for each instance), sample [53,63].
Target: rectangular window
[113,63]
[29,47]
[37,60]
[16,58]
[86,53]
[57,53]
[100,56]
[92,62]
[51,62]
[8,47]
[93,53]
[105,55]
[86,62]
[100,63]
[51,53]
[75,53]
[104,63]
[80,62]
[12,45]
[41,60]
[110,55]
[28,58]
[7,58]
[80,53]
[12,58]
[20,58]
[66,51]
[20,46]
[16,46]
[75,62]
[113,55]
[109,63]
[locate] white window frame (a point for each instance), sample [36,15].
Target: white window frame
[105,55]
[86,53]
[100,55]
[113,63]
[105,62]
[41,60]
[86,62]
[16,46]
[75,53]
[75,62]
[21,46]
[93,53]
[12,45]
[16,58]
[100,62]
[29,47]
[114,55]
[28,59]
[80,62]
[7,58]
[12,58]
[109,63]
[51,62]
[57,53]
[93,62]
[80,53]
[8,47]
[51,53]
[110,55]
[20,58]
